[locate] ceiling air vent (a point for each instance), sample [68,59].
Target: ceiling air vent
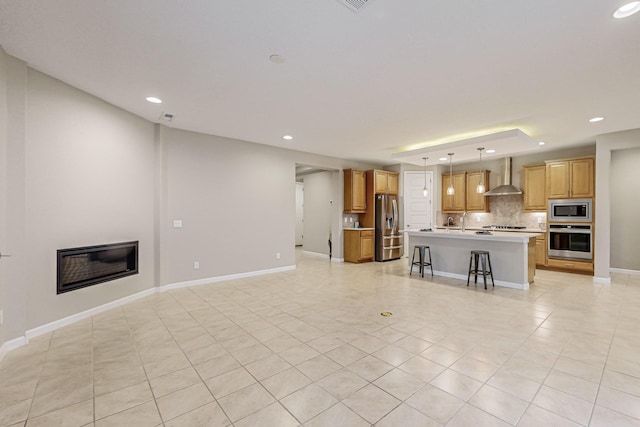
[354,5]
[166,117]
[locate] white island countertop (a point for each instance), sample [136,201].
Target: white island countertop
[501,236]
[512,254]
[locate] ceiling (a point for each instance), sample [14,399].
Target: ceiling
[397,75]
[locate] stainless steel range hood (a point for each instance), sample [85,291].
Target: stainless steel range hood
[506,189]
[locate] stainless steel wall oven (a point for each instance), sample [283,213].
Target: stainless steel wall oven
[570,241]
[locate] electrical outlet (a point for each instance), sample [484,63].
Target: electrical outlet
[277,255]
[196,265]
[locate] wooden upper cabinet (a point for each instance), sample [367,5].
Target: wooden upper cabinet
[477,202]
[535,198]
[385,182]
[392,182]
[582,178]
[572,178]
[355,185]
[455,202]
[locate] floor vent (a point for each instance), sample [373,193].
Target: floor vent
[354,5]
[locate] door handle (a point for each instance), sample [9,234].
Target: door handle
[4,255]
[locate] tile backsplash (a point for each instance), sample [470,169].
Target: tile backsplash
[505,210]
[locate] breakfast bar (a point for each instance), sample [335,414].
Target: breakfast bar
[512,254]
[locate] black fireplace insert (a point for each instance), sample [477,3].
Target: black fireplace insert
[90,265]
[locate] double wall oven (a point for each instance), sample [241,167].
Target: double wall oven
[570,233]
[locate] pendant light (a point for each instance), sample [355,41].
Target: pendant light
[425,192]
[481,188]
[450,191]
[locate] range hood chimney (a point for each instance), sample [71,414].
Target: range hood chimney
[506,188]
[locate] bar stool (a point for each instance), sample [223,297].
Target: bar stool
[483,257]
[422,262]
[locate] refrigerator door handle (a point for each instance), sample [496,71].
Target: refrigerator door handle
[395,213]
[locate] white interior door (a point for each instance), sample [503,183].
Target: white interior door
[299,213]
[417,207]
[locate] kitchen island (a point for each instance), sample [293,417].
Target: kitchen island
[513,255]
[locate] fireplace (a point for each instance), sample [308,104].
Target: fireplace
[90,265]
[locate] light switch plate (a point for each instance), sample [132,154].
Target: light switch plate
[177,223]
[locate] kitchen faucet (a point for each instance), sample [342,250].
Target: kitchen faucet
[464,215]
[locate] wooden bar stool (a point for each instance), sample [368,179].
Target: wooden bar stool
[422,261]
[484,259]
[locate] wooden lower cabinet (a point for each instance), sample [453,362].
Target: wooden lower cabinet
[359,245]
[541,250]
[565,264]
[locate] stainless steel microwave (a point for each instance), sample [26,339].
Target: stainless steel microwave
[570,210]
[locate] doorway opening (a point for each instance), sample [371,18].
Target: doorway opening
[317,214]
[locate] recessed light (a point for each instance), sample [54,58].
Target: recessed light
[442,159]
[287,137]
[627,10]
[490,151]
[276,59]
[596,119]
[541,143]
[154,100]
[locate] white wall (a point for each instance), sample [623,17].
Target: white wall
[318,212]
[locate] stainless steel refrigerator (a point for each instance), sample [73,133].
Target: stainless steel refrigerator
[389,243]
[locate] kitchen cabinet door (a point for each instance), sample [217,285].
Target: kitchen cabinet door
[582,178]
[358,245]
[541,250]
[456,202]
[573,178]
[367,245]
[392,183]
[355,184]
[557,180]
[380,181]
[535,198]
[477,202]
[385,182]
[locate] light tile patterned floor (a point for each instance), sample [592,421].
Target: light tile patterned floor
[309,347]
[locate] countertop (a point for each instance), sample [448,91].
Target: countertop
[358,229]
[469,234]
[521,230]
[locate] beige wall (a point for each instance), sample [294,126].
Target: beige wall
[14,295]
[237,204]
[625,205]
[89,180]
[318,212]
[3,179]
[608,147]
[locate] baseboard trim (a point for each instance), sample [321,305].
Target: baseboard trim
[315,254]
[215,279]
[602,280]
[625,271]
[57,324]
[7,346]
